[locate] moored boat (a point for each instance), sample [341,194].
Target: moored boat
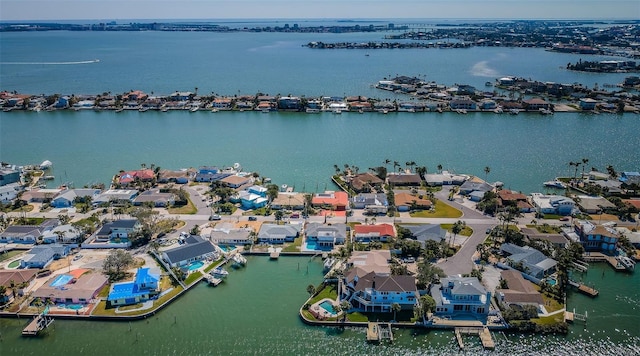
[555,184]
[219,272]
[628,263]
[239,260]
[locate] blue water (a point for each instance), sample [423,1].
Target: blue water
[195,265]
[75,306]
[61,280]
[326,305]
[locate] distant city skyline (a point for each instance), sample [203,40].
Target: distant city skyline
[114,10]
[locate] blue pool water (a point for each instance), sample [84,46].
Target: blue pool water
[195,265]
[326,305]
[225,248]
[61,280]
[551,281]
[311,245]
[75,306]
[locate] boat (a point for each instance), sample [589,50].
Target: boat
[461,111]
[212,281]
[46,164]
[265,111]
[143,109]
[439,110]
[544,111]
[48,178]
[312,110]
[488,84]
[219,272]
[328,263]
[120,110]
[514,111]
[628,263]
[555,184]
[214,110]
[164,109]
[337,111]
[498,110]
[239,260]
[194,109]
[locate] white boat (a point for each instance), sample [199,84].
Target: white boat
[265,111]
[143,109]
[498,110]
[312,110]
[555,184]
[164,109]
[627,263]
[514,111]
[120,110]
[214,110]
[337,111]
[219,272]
[328,263]
[544,111]
[239,260]
[48,178]
[46,164]
[461,111]
[194,109]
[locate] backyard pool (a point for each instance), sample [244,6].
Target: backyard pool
[328,306]
[61,280]
[551,281]
[195,265]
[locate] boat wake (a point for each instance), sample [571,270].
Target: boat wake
[482,69]
[52,63]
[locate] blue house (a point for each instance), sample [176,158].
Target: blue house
[63,102]
[143,288]
[8,176]
[587,104]
[42,255]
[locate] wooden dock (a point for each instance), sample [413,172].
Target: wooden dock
[274,253]
[600,257]
[39,323]
[485,336]
[377,332]
[213,281]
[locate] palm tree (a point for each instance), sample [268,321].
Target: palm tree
[311,289]
[457,227]
[395,307]
[584,163]
[395,164]
[487,170]
[386,162]
[440,168]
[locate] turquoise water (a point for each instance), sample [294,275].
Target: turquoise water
[328,306]
[75,306]
[61,280]
[195,265]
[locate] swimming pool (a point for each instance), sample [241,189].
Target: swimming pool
[61,280]
[551,281]
[195,265]
[328,306]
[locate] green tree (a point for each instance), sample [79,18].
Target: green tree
[115,264]
[427,303]
[395,307]
[457,228]
[428,273]
[311,289]
[487,170]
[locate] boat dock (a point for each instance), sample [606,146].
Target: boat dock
[39,323]
[213,281]
[584,289]
[274,252]
[600,257]
[483,333]
[377,332]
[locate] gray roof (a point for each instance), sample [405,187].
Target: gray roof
[464,285]
[21,230]
[471,186]
[371,199]
[384,283]
[193,248]
[425,232]
[315,229]
[531,258]
[269,231]
[44,253]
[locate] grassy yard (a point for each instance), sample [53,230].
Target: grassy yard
[101,308]
[357,317]
[186,209]
[329,291]
[467,231]
[193,276]
[7,255]
[441,210]
[295,246]
[213,265]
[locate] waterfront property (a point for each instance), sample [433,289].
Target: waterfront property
[115,197]
[78,287]
[144,287]
[528,260]
[66,198]
[378,292]
[288,200]
[195,248]
[519,291]
[335,201]
[553,204]
[461,297]
[556,239]
[325,237]
[507,197]
[16,280]
[226,235]
[596,237]
[278,234]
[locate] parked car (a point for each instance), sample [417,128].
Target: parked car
[215,217]
[252,218]
[295,216]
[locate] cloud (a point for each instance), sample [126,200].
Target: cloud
[482,69]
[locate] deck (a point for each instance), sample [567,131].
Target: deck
[377,332]
[485,336]
[39,323]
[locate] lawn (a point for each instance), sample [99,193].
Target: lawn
[467,231]
[329,291]
[7,255]
[441,210]
[193,276]
[357,317]
[185,209]
[212,265]
[295,246]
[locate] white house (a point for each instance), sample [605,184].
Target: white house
[9,192]
[461,296]
[326,236]
[553,204]
[66,198]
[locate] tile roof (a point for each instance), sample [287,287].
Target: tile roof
[380,229]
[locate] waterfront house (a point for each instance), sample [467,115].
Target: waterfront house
[363,182]
[462,104]
[288,200]
[42,255]
[519,292]
[377,293]
[444,178]
[278,234]
[368,233]
[426,232]
[291,103]
[528,260]
[536,104]
[116,197]
[249,200]
[178,177]
[404,180]
[227,235]
[326,236]
[210,177]
[487,104]
[19,279]
[587,104]
[596,237]
[338,201]
[40,195]
[63,234]
[475,184]
[181,96]
[594,205]
[66,198]
[372,203]
[222,103]
[258,190]
[9,175]
[461,296]
[406,202]
[71,289]
[62,102]
[26,234]
[236,181]
[507,197]
[194,248]
[557,240]
[364,262]
[156,198]
[9,192]
[132,177]
[553,204]
[144,287]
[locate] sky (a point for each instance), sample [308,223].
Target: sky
[22,10]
